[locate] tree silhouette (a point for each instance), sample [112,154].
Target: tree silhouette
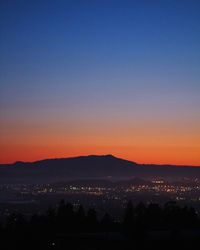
[91,220]
[43,231]
[107,223]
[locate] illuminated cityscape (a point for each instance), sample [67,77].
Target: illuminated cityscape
[104,195]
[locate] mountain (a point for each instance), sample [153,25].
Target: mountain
[89,167]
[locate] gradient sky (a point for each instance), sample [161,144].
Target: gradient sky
[100,77]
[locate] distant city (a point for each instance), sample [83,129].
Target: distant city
[101,194]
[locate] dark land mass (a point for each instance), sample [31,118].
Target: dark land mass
[103,185]
[91,167]
[67,227]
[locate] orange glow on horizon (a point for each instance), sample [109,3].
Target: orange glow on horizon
[159,142]
[156,155]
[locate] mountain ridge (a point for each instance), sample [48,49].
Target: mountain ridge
[92,167]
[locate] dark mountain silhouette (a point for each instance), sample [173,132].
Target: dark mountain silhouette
[89,167]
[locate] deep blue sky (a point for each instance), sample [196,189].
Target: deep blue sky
[93,64]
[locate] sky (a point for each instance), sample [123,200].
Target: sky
[80,77]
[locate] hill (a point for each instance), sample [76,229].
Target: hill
[90,167]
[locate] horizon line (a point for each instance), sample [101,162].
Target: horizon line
[89,155]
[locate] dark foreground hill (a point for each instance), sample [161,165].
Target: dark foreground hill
[90,167]
[66,226]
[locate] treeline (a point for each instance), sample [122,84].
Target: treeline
[64,221]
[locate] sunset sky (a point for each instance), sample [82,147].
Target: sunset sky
[119,77]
